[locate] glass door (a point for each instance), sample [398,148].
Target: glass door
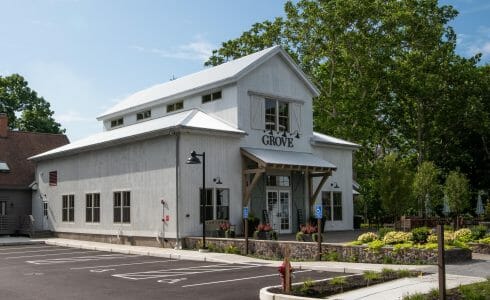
[278,208]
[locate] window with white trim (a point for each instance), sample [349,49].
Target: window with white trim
[222,204]
[122,207]
[92,208]
[45,209]
[117,122]
[276,115]
[211,97]
[332,205]
[175,106]
[143,115]
[68,208]
[209,205]
[53,178]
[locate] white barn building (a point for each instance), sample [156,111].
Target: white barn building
[252,117]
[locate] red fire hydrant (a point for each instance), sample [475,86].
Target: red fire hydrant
[285,271]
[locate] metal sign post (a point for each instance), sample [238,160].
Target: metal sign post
[441,264]
[318,215]
[245,217]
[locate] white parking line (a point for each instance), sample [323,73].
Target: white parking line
[138,263]
[35,251]
[181,271]
[7,248]
[51,254]
[79,259]
[239,279]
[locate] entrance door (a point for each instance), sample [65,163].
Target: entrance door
[278,207]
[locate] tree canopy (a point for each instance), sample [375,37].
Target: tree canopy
[390,80]
[25,109]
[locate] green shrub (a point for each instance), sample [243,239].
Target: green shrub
[367,237]
[370,276]
[402,273]
[331,256]
[383,231]
[448,237]
[478,232]
[355,243]
[397,237]
[314,237]
[416,296]
[476,291]
[274,235]
[306,287]
[460,244]
[300,236]
[420,235]
[485,240]
[376,245]
[402,246]
[430,246]
[432,238]
[232,250]
[463,235]
[388,273]
[338,281]
[387,260]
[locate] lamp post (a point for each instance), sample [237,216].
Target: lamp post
[194,160]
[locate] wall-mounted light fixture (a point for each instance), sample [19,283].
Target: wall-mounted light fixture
[217,180]
[335,185]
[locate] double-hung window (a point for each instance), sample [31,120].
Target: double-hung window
[122,207]
[92,210]
[143,115]
[276,115]
[332,205]
[222,204]
[68,208]
[208,206]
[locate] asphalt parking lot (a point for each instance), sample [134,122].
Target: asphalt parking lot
[53,272]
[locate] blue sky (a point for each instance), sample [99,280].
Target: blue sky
[84,56]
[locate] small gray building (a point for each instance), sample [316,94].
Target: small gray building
[252,117]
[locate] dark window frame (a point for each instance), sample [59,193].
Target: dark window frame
[53,178]
[122,207]
[143,115]
[117,122]
[212,97]
[68,208]
[175,106]
[277,115]
[92,208]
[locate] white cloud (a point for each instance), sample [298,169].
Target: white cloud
[72,116]
[198,49]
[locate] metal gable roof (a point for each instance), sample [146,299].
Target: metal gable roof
[190,119]
[206,79]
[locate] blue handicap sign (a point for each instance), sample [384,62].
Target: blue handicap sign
[245,212]
[318,211]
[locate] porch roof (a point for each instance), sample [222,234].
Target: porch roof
[287,159]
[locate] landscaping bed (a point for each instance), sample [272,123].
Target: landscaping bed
[324,288]
[475,291]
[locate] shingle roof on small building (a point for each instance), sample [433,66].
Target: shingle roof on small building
[16,147]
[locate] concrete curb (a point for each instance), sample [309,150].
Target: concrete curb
[23,243]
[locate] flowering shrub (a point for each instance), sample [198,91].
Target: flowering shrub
[224,226]
[397,237]
[485,240]
[375,245]
[367,237]
[448,237]
[432,239]
[308,229]
[420,235]
[463,235]
[264,227]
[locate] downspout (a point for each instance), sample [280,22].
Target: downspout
[178,244]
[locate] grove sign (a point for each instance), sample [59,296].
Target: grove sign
[271,140]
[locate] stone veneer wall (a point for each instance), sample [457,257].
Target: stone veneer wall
[308,251]
[480,248]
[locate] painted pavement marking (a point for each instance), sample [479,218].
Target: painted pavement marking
[182,271]
[35,251]
[7,248]
[51,254]
[239,279]
[78,259]
[129,264]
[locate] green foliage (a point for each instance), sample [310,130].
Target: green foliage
[432,238]
[213,248]
[375,245]
[25,109]
[338,281]
[355,243]
[367,237]
[402,273]
[463,235]
[300,236]
[306,286]
[394,181]
[456,191]
[478,232]
[430,246]
[314,237]
[485,240]
[388,273]
[476,291]
[397,237]
[416,296]
[331,256]
[232,250]
[370,276]
[426,187]
[460,244]
[420,235]
[383,231]
[402,246]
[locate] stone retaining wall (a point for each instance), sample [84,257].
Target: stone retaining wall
[308,251]
[121,239]
[480,248]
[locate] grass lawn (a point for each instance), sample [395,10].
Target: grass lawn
[475,291]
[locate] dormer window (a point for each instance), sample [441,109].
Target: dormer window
[4,167]
[143,115]
[211,97]
[175,106]
[117,122]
